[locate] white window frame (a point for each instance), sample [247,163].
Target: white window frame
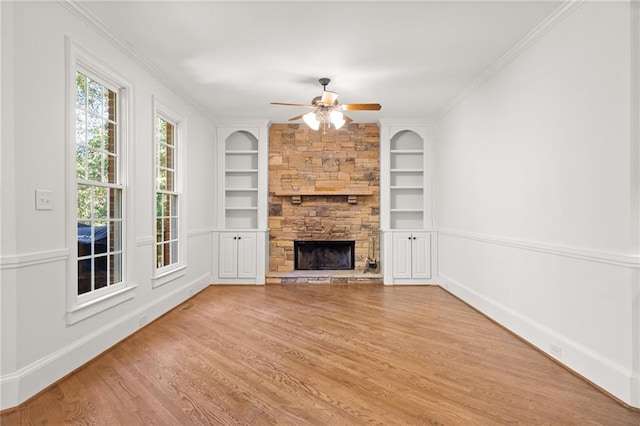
[166,274]
[80,307]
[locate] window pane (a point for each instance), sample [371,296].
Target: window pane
[162,179]
[174,228]
[174,205]
[166,229]
[170,180]
[95,165]
[84,202]
[115,203]
[115,236]
[85,236]
[94,132]
[81,127]
[161,130]
[170,154]
[111,168]
[94,98]
[166,258]
[174,252]
[162,155]
[115,268]
[100,204]
[100,239]
[81,91]
[159,256]
[111,106]
[100,274]
[159,230]
[110,135]
[81,162]
[84,276]
[170,133]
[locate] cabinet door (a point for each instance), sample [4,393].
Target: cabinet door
[402,254]
[421,255]
[247,252]
[228,255]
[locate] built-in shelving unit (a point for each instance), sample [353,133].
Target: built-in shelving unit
[241,232]
[241,181]
[406,181]
[405,204]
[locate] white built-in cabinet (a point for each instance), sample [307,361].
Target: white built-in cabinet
[411,255]
[237,257]
[406,206]
[240,249]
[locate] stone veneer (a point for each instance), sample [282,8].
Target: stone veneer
[304,160]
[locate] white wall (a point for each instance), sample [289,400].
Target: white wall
[537,196]
[38,347]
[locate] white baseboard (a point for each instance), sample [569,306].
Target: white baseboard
[17,387]
[603,372]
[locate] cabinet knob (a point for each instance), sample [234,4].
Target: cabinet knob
[235,238]
[239,238]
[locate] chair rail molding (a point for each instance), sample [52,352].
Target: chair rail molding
[615,259]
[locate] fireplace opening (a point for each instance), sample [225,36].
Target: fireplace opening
[323,255]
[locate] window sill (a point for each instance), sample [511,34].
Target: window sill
[95,306]
[168,276]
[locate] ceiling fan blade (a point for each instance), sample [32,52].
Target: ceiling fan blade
[295,105]
[297,117]
[329,98]
[347,119]
[361,107]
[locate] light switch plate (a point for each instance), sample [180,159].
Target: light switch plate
[44,199]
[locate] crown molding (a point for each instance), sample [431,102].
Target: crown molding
[76,8]
[553,20]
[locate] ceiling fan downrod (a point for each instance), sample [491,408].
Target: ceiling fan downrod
[324,82]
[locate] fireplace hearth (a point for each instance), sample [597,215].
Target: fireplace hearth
[324,255]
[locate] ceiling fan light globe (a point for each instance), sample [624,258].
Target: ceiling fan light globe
[311,120]
[337,118]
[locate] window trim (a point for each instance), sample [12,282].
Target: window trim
[169,273]
[80,307]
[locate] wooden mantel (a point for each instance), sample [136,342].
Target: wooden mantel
[352,194]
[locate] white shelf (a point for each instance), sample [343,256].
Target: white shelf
[406,151]
[241,181]
[407,171]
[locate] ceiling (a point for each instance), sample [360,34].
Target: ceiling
[233,58]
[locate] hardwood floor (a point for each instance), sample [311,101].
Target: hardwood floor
[316,354]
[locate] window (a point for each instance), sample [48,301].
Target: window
[99,187]
[167,197]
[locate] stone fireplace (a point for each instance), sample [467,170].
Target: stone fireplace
[323,186]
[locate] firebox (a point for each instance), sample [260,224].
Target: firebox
[323,255]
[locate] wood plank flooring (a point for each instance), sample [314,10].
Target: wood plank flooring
[322,355]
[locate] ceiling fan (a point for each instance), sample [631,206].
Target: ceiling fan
[327,110]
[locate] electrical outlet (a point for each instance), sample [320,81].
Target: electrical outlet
[556,351]
[143,320]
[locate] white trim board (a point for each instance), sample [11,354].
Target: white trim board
[614,259]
